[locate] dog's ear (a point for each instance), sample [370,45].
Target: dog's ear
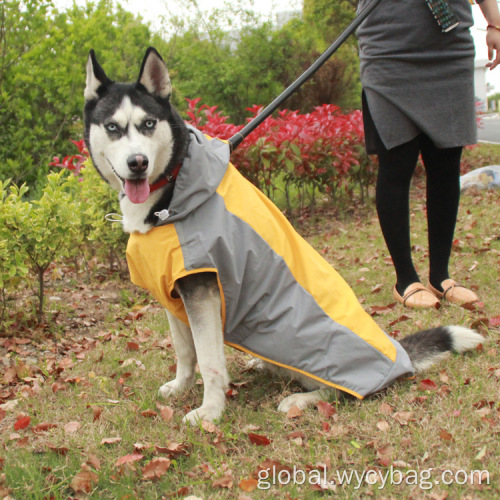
[154,74]
[95,77]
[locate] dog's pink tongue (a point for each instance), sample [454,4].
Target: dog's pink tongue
[137,191]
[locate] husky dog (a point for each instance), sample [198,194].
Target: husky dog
[225,262]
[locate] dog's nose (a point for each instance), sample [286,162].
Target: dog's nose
[137,163]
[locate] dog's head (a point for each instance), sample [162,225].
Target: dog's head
[133,133]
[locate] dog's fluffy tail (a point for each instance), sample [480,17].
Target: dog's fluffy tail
[427,347]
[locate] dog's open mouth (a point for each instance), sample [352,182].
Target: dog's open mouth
[137,190]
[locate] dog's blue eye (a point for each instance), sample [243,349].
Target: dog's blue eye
[150,124]
[111,127]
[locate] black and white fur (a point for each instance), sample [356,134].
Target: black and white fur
[134,134]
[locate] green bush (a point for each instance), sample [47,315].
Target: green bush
[96,199]
[68,221]
[40,231]
[12,263]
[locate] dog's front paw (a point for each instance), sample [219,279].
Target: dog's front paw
[304,399]
[209,414]
[293,400]
[172,388]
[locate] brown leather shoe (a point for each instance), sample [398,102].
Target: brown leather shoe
[417,296]
[454,292]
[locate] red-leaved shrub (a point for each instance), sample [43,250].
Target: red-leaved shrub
[300,154]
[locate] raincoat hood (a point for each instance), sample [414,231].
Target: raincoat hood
[200,175]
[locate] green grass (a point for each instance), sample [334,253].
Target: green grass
[405,428]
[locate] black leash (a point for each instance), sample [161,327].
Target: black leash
[236,140]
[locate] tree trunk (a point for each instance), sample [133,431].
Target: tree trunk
[41,291]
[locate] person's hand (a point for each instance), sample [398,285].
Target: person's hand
[493,42]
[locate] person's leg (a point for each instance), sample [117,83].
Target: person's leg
[396,167]
[443,194]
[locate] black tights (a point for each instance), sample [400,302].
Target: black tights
[396,167]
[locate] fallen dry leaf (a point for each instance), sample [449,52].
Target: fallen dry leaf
[272,467]
[9,405]
[166,413]
[384,455]
[10,375]
[111,440]
[323,485]
[93,461]
[427,385]
[72,427]
[96,410]
[66,363]
[295,435]
[325,409]
[133,346]
[57,386]
[129,459]
[43,427]
[402,417]
[444,390]
[385,409]
[223,482]
[140,447]
[84,481]
[258,440]
[173,450]
[383,426]
[130,361]
[22,422]
[248,485]
[60,450]
[209,427]
[23,442]
[294,412]
[155,469]
[401,464]
[403,317]
[445,435]
[375,310]
[419,400]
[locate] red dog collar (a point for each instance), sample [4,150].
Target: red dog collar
[162,182]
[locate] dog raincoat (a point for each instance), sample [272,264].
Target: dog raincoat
[281,301]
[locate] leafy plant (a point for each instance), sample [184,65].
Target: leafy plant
[321,151]
[43,230]
[95,199]
[12,265]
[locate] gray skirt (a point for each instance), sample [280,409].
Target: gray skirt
[416,79]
